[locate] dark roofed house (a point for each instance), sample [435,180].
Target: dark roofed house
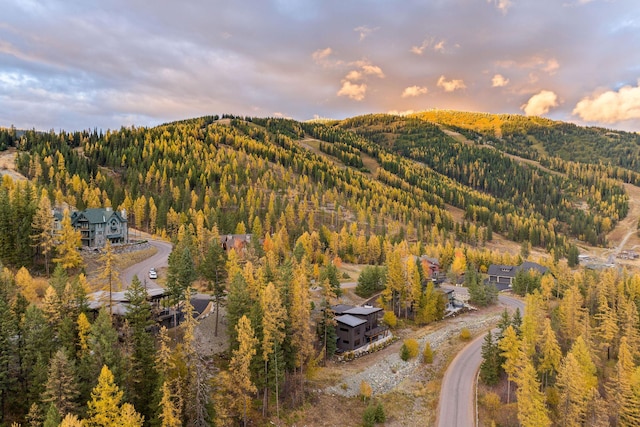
[99,224]
[350,331]
[358,326]
[502,275]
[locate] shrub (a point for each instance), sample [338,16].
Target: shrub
[465,334]
[410,349]
[380,415]
[369,416]
[427,354]
[365,390]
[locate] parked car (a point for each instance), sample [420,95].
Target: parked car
[153,274]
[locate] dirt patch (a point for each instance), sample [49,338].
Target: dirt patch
[8,164]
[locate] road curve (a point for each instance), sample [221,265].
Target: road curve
[456,406]
[159,259]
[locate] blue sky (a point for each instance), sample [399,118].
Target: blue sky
[80,64]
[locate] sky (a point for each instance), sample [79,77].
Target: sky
[85,64]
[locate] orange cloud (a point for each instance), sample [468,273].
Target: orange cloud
[451,85]
[610,106]
[540,103]
[412,91]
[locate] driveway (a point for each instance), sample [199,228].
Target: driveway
[159,260]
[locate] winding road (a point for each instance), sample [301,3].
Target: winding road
[457,395]
[159,259]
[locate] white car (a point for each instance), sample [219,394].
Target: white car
[153,274]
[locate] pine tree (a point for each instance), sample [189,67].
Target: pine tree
[273,319]
[142,373]
[71,420]
[212,268]
[109,273]
[105,408]
[62,386]
[239,368]
[550,353]
[43,228]
[300,314]
[52,419]
[395,282]
[68,242]
[531,404]
[510,346]
[490,366]
[623,391]
[573,389]
[168,411]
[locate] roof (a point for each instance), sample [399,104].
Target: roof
[433,261]
[97,215]
[362,311]
[502,270]
[511,271]
[350,320]
[526,266]
[341,308]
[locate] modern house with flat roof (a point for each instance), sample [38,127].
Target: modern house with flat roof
[357,326]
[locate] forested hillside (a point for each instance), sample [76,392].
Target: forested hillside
[376,190]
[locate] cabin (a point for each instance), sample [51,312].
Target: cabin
[99,225]
[358,326]
[235,241]
[503,275]
[430,266]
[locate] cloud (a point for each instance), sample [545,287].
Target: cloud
[412,91]
[372,70]
[610,106]
[451,85]
[321,54]
[364,31]
[499,81]
[540,103]
[551,66]
[401,113]
[548,65]
[352,90]
[437,46]
[353,75]
[501,5]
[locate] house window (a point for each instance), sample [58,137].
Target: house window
[345,341]
[344,329]
[358,331]
[356,343]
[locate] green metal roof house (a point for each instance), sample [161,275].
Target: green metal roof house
[99,224]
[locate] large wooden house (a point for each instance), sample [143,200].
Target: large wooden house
[97,225]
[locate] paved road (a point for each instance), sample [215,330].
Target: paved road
[142,268]
[457,395]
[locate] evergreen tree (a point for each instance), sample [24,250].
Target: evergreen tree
[142,374]
[272,334]
[240,383]
[531,404]
[491,362]
[52,419]
[62,388]
[212,268]
[68,242]
[512,354]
